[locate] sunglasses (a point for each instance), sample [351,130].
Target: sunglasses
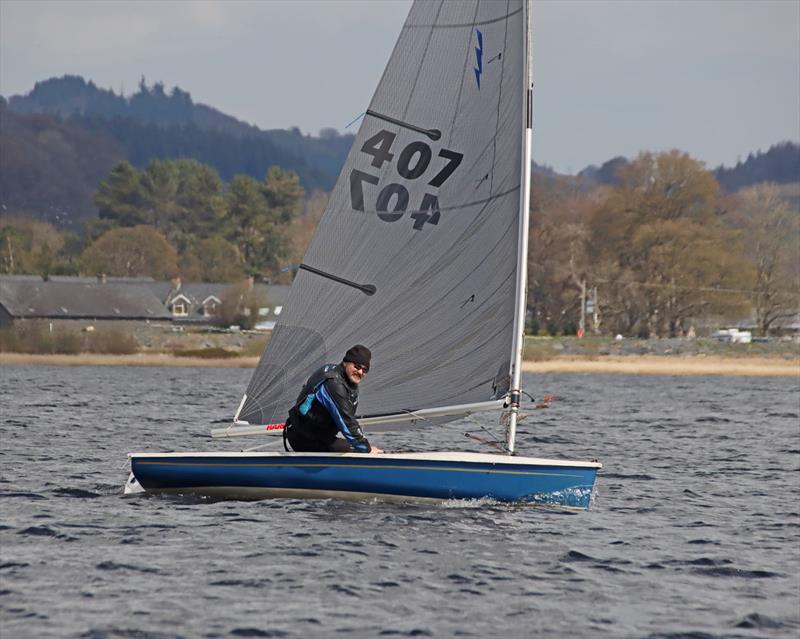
[361,367]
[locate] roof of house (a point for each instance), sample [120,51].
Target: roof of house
[76,298]
[29,296]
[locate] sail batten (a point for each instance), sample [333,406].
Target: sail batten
[416,253]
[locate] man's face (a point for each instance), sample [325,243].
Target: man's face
[355,372]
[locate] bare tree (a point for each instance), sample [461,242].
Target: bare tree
[661,248]
[772,241]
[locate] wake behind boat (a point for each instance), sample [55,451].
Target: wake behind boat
[422,255]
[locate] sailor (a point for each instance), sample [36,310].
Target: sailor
[327,406]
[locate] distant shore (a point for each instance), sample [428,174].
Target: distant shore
[748,366]
[139,359]
[670,365]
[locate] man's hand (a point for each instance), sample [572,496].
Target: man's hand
[374,450]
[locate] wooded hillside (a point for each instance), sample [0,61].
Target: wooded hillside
[59,140]
[66,124]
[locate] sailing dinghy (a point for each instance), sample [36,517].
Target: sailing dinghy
[421,255]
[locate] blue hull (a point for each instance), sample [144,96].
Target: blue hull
[436,476]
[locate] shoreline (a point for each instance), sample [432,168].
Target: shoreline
[748,366]
[157,360]
[754,366]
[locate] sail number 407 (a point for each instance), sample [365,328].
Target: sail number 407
[413,162]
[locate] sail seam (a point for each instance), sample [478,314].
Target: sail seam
[453,396]
[463,205]
[421,62]
[435,336]
[502,237]
[383,76]
[465,24]
[461,82]
[458,283]
[499,102]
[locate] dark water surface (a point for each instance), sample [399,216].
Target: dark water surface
[695,530]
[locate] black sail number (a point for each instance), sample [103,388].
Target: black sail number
[428,212]
[385,198]
[378,147]
[404,167]
[357,189]
[453,160]
[414,161]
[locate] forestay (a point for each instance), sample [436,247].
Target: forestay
[416,254]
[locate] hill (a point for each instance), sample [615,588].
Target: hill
[50,169]
[156,124]
[780,164]
[58,141]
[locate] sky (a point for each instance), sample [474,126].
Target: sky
[715,78]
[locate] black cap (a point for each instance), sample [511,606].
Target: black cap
[358,354]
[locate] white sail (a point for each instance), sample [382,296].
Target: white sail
[417,254]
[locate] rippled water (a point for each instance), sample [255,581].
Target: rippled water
[695,530]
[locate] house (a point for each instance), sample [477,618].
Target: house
[195,302]
[201,302]
[87,300]
[276,298]
[80,300]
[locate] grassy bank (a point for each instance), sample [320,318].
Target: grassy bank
[168,346]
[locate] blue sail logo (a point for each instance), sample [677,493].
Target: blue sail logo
[479,58]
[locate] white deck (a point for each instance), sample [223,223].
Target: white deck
[448,456]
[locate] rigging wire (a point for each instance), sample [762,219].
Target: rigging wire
[356,119]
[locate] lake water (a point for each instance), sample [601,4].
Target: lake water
[695,529]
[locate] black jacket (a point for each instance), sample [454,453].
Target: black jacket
[327,406]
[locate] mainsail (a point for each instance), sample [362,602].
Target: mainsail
[416,254]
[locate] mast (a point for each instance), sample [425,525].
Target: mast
[522,243]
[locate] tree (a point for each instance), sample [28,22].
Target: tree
[29,246]
[200,201]
[240,305]
[283,193]
[772,242]
[186,202]
[557,261]
[258,214]
[120,199]
[183,199]
[660,249]
[251,224]
[140,251]
[213,259]
[680,263]
[299,233]
[159,184]
[247,215]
